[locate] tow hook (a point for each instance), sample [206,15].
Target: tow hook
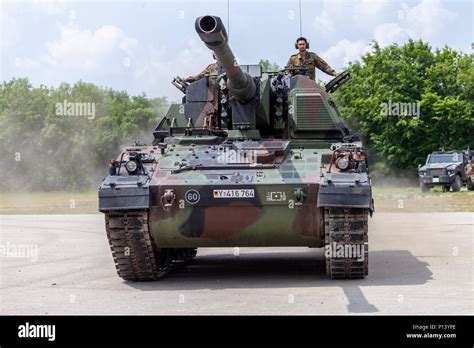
[167,200]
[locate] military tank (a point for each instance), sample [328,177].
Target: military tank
[248,159]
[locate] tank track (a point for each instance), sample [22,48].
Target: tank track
[346,227]
[135,254]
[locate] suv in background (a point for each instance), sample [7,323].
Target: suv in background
[446,169]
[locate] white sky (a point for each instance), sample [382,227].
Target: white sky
[139,46]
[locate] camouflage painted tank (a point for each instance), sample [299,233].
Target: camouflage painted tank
[247,160]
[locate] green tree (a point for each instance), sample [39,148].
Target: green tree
[45,150]
[441,81]
[267,66]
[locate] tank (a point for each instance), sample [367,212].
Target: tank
[248,159]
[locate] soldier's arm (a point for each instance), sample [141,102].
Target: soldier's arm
[198,76]
[288,64]
[321,64]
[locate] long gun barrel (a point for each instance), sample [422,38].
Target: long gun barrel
[212,32]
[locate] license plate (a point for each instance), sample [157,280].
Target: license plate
[435,179]
[238,193]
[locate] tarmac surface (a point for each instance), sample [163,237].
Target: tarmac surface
[419,263]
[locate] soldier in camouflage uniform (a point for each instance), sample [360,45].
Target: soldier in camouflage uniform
[210,70]
[309,59]
[469,168]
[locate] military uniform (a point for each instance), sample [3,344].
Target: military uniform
[311,61]
[469,169]
[210,70]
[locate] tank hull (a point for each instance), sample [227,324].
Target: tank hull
[272,217]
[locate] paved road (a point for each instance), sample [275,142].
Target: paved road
[420,263]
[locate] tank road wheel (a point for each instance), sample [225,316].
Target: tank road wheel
[346,242]
[424,187]
[456,185]
[190,253]
[165,256]
[132,245]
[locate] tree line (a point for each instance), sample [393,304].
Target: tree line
[51,140]
[407,101]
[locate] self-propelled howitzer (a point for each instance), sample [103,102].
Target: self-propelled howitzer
[246,160]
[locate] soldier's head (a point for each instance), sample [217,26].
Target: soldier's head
[301,44]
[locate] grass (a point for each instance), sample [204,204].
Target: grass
[48,203]
[411,199]
[387,199]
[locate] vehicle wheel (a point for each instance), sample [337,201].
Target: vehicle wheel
[191,252]
[424,187]
[456,185]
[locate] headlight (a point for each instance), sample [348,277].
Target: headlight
[342,163]
[423,173]
[131,166]
[450,172]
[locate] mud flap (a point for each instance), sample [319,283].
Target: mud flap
[127,192]
[345,190]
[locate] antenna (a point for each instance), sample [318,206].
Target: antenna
[228,18]
[301,31]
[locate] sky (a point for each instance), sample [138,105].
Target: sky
[139,46]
